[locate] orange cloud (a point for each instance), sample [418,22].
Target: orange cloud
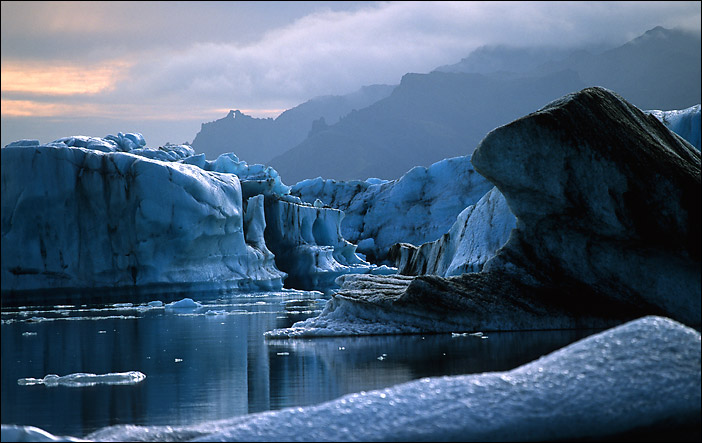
[59,80]
[30,108]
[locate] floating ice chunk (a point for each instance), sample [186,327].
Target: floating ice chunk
[216,312]
[186,303]
[83,379]
[155,304]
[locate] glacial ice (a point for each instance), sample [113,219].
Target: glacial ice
[417,208]
[684,122]
[87,212]
[478,232]
[643,376]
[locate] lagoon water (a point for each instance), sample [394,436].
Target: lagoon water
[213,362]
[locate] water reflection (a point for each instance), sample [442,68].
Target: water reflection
[202,366]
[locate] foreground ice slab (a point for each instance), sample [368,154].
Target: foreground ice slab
[639,379]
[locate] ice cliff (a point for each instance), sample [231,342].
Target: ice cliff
[479,231]
[87,212]
[419,207]
[606,200]
[684,122]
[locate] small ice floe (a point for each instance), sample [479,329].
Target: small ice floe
[123,305]
[468,334]
[282,353]
[216,312]
[155,304]
[383,357]
[82,379]
[28,334]
[186,303]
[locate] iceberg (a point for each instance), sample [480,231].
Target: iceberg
[474,238]
[84,213]
[76,217]
[639,379]
[602,235]
[418,207]
[308,245]
[684,122]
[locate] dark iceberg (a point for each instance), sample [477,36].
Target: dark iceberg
[607,202]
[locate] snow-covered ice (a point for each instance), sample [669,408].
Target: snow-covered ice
[643,375]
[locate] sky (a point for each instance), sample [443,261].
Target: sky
[164,68]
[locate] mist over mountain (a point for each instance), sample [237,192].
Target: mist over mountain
[658,70]
[447,112]
[427,118]
[383,131]
[258,140]
[511,60]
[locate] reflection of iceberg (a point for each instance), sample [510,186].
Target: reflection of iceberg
[643,376]
[82,379]
[30,433]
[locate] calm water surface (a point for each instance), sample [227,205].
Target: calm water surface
[213,362]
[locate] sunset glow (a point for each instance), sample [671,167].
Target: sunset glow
[59,80]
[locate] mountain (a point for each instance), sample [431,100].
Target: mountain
[258,140]
[511,60]
[427,118]
[447,112]
[658,70]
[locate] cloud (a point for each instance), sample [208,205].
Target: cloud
[339,51]
[151,60]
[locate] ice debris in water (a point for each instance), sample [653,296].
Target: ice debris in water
[82,379]
[186,303]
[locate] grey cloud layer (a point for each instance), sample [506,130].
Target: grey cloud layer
[201,55]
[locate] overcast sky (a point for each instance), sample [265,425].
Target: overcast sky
[163,68]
